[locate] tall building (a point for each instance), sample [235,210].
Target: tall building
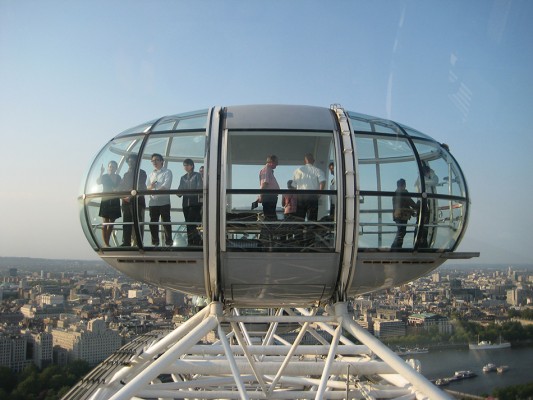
[42,348]
[517,296]
[428,320]
[32,311]
[135,294]
[92,344]
[388,328]
[13,351]
[47,299]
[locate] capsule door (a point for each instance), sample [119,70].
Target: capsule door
[278,223]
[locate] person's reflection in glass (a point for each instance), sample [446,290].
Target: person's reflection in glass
[429,205]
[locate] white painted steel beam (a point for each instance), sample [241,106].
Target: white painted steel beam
[329,361]
[294,367]
[181,366]
[251,360]
[280,350]
[233,365]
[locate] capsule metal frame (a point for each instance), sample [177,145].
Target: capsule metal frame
[246,260]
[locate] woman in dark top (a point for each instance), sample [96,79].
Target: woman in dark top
[109,207]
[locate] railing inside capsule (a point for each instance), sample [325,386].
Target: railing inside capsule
[141,226]
[249,229]
[435,227]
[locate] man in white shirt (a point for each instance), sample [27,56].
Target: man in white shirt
[160,179]
[308,177]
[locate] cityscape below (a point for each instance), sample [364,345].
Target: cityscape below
[59,311]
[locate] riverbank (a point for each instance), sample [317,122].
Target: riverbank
[447,346]
[443,362]
[456,346]
[463,396]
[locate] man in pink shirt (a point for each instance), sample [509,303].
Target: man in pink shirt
[267,180]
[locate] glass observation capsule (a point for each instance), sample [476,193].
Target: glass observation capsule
[271,205]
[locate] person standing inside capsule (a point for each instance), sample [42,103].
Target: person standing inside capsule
[308,177]
[160,179]
[192,207]
[128,202]
[403,208]
[267,180]
[109,207]
[289,203]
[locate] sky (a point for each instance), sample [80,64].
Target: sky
[73,74]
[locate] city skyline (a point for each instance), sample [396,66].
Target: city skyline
[91,308]
[74,75]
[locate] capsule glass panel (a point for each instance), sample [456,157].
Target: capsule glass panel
[86,227]
[289,216]
[443,224]
[106,230]
[174,210]
[377,228]
[415,134]
[106,191]
[443,176]
[138,129]
[434,184]
[115,151]
[195,120]
[384,160]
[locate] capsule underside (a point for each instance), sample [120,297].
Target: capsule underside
[202,235]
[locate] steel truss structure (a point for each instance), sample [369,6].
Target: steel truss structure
[251,359]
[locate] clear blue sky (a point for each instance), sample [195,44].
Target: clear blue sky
[75,73]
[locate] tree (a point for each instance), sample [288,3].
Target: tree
[78,368]
[56,382]
[63,391]
[29,370]
[8,379]
[51,395]
[29,387]
[49,372]
[514,392]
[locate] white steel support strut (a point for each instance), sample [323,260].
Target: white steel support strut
[222,354]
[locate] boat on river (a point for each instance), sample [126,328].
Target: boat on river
[490,367]
[502,368]
[442,382]
[488,345]
[458,375]
[404,351]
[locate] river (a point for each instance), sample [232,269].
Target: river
[443,363]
